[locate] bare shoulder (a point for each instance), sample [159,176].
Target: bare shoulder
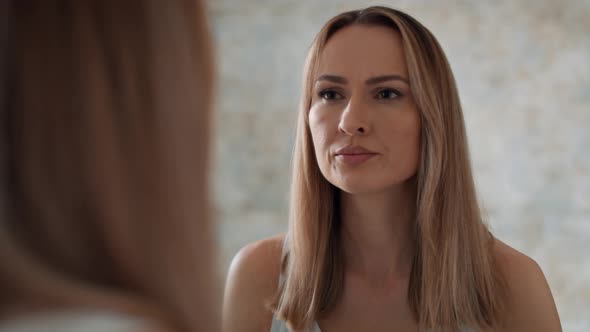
[252,280]
[531,304]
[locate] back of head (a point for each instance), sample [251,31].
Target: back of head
[105,111]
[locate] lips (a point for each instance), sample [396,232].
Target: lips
[354,155]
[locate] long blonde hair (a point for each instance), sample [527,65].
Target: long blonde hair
[105,121]
[454,279]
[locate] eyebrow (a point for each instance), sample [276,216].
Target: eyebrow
[370,81]
[333,78]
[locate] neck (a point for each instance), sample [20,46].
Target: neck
[377,231]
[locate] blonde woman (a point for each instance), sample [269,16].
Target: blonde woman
[385,232]
[104,115]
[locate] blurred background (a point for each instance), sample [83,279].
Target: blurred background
[523,71]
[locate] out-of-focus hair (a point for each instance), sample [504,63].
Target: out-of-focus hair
[105,110]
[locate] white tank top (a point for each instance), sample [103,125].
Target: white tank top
[73,321]
[280,326]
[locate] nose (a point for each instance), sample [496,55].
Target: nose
[354,121]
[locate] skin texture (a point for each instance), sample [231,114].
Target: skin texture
[346,110]
[355,103]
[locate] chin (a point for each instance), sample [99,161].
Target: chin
[358,186]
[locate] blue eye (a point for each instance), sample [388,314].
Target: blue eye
[330,95]
[388,94]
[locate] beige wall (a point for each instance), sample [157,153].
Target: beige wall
[523,70]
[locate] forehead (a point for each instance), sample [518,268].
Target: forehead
[362,51]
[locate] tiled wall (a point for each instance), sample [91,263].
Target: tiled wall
[523,70]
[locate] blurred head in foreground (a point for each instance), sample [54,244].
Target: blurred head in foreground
[104,113]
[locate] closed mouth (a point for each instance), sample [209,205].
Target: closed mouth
[354,150]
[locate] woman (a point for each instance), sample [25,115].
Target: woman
[105,109]
[385,232]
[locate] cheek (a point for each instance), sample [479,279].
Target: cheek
[404,140]
[412,136]
[320,126]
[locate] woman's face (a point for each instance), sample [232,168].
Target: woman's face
[363,120]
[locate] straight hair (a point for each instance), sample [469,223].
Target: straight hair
[454,278]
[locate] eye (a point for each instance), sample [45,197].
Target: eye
[330,95]
[388,94]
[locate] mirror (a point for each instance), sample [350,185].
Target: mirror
[522,80]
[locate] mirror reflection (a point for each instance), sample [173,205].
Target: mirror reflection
[385,230]
[293,166]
